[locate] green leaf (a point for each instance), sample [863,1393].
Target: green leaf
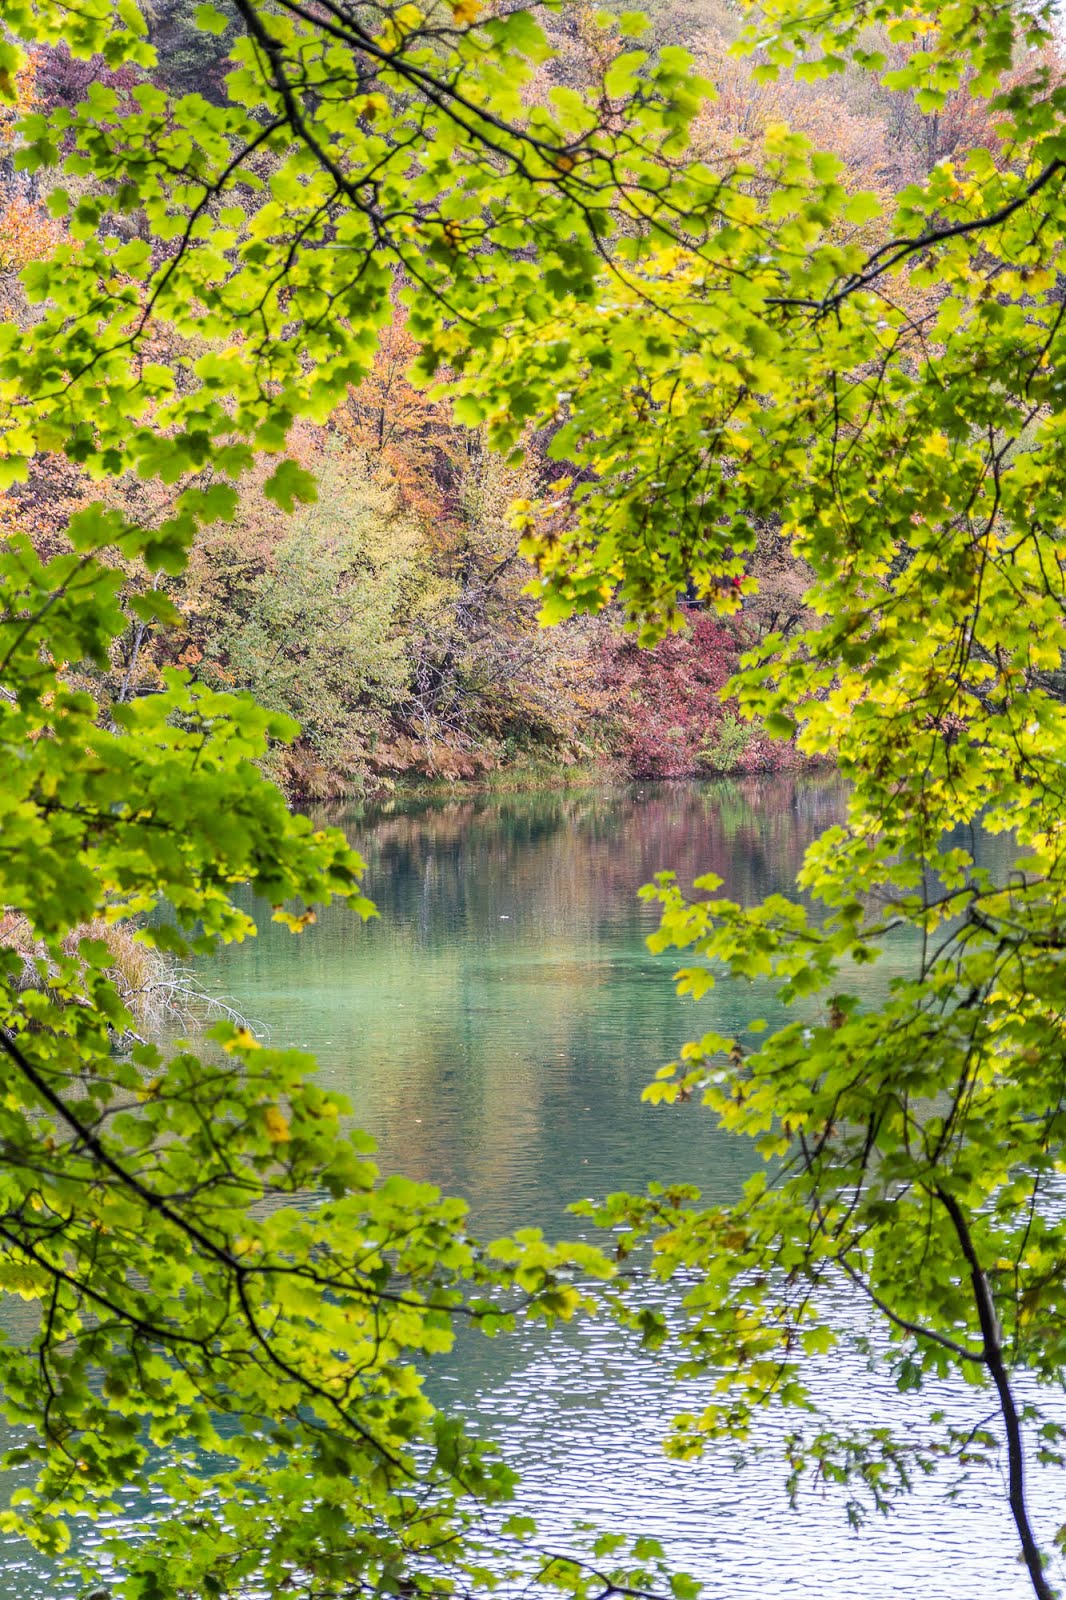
[290,485]
[210,20]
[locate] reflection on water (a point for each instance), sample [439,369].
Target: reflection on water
[496,1025]
[495,1028]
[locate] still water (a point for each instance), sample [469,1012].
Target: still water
[494,1029]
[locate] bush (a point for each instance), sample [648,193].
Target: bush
[669,698]
[727,744]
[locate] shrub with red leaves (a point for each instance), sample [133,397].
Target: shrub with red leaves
[62,80]
[670,719]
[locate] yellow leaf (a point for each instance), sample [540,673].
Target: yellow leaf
[277,1125]
[466,11]
[294,923]
[243,1039]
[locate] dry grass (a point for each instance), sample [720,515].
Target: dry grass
[157,993]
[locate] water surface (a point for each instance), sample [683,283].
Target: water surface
[494,1028]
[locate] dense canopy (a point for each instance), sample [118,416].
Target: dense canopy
[713,346]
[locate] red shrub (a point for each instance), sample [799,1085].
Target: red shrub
[64,80]
[668,708]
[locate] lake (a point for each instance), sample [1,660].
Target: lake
[494,1029]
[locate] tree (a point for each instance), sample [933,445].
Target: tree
[150,1200]
[916,1148]
[667,700]
[311,615]
[717,349]
[26,231]
[151,1203]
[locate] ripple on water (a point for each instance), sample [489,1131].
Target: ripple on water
[494,1029]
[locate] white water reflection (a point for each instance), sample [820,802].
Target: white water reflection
[585,1421]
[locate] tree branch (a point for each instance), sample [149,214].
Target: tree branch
[993,1353]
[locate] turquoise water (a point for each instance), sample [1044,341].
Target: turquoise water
[494,1029]
[496,1024]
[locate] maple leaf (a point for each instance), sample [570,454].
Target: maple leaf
[277,1125]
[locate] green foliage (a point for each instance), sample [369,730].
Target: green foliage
[725,747]
[339,184]
[396,639]
[713,352]
[218,1268]
[317,624]
[192,43]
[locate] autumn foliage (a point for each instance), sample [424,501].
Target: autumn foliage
[392,619]
[668,715]
[27,232]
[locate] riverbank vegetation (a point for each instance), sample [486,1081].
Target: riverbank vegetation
[390,618]
[303,348]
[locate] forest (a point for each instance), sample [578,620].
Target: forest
[461,393]
[392,618]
